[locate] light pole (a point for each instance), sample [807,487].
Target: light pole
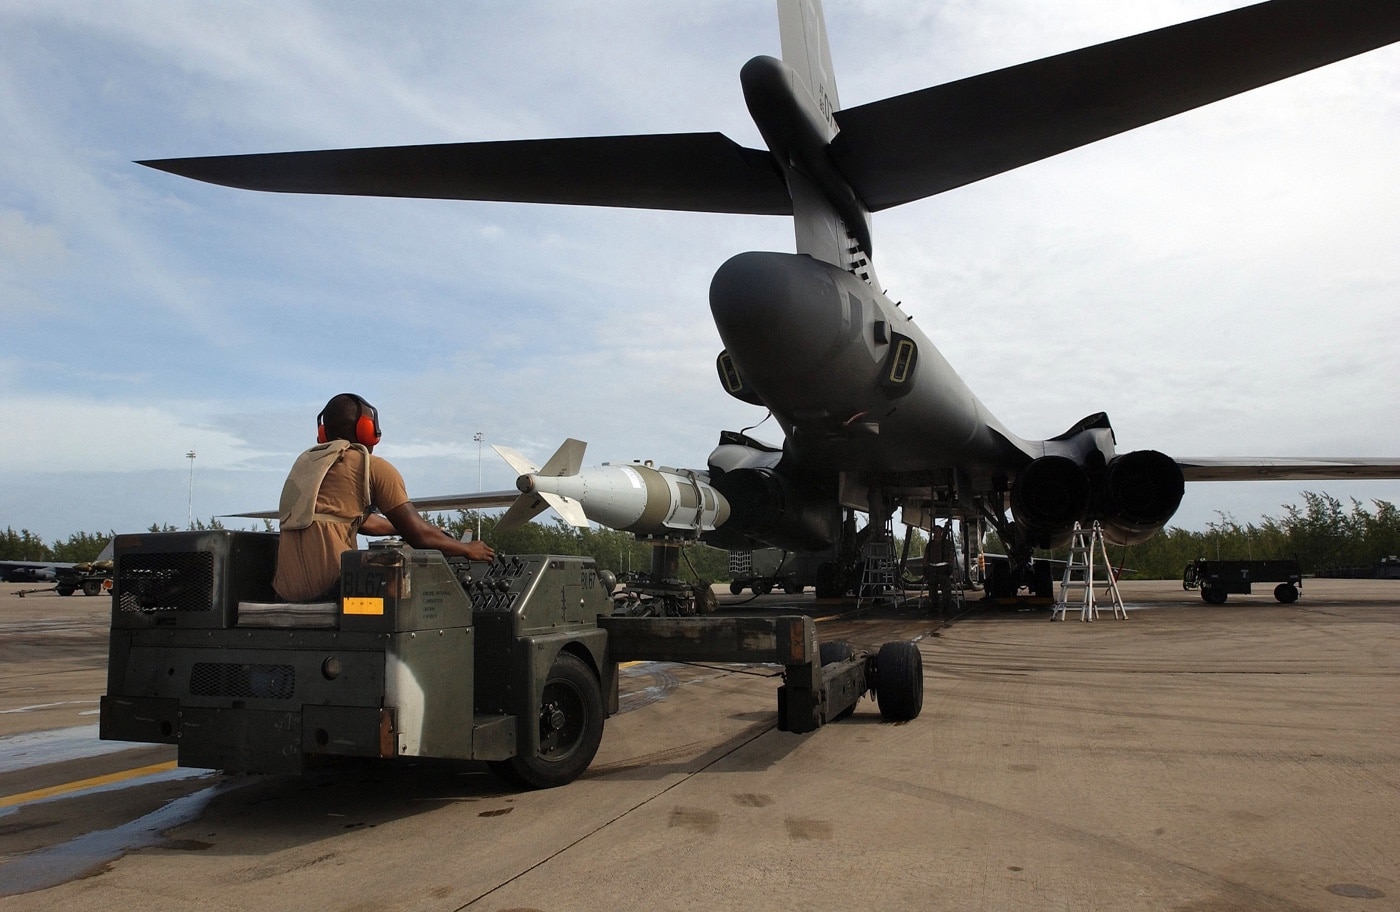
[478,438]
[190,457]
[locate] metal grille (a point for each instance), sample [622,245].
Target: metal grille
[228,679]
[180,581]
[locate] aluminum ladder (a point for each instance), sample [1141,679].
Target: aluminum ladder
[1086,549]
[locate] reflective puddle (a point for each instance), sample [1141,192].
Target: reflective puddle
[88,853]
[91,851]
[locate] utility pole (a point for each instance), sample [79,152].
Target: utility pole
[190,457]
[478,437]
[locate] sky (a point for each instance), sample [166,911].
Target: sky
[1223,283]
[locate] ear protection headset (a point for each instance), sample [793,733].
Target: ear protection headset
[366,424]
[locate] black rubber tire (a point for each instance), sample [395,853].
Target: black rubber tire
[762,588]
[792,587]
[570,718]
[1286,593]
[1214,596]
[736,588]
[835,651]
[92,587]
[899,681]
[65,590]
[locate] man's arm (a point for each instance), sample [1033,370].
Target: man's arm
[404,520]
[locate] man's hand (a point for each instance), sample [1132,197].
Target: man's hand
[420,533]
[479,551]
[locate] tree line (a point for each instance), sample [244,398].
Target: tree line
[1323,534]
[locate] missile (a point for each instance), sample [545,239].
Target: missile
[633,497]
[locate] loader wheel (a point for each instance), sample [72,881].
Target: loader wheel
[1213,595]
[66,590]
[736,588]
[835,651]
[571,727]
[1286,593]
[92,587]
[899,681]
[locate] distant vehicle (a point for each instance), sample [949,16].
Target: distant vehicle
[1217,579]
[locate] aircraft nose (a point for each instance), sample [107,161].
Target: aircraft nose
[776,310]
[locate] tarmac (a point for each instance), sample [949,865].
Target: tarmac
[1191,757]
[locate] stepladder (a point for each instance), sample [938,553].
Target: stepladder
[1087,570]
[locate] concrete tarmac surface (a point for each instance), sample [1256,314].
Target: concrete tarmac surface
[1192,757]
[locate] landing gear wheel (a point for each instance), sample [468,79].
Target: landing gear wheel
[571,727]
[1286,593]
[1214,596]
[899,681]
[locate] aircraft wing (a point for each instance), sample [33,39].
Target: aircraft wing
[481,501]
[1286,468]
[19,571]
[912,146]
[698,172]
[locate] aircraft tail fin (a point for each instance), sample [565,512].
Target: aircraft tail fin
[802,30]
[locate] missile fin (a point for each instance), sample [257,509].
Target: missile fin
[525,508]
[570,509]
[566,461]
[517,461]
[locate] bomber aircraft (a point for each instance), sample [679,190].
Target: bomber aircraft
[874,418]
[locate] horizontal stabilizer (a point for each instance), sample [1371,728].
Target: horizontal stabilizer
[1286,468]
[911,146]
[696,172]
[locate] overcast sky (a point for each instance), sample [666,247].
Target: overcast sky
[1222,284]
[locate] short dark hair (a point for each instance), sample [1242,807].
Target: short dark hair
[340,415]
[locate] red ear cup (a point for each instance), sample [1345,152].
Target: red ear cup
[365,431]
[320,432]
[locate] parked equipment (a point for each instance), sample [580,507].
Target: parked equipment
[1217,579]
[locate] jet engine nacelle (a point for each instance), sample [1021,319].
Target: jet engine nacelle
[1140,492]
[1048,497]
[766,507]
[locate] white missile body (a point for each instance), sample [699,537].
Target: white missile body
[634,497]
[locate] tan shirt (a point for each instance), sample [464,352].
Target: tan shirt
[308,560]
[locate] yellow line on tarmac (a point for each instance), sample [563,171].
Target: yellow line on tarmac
[82,784]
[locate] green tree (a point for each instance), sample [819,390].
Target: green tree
[81,546]
[23,546]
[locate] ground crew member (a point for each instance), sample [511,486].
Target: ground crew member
[331,496]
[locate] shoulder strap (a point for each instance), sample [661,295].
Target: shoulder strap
[297,508]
